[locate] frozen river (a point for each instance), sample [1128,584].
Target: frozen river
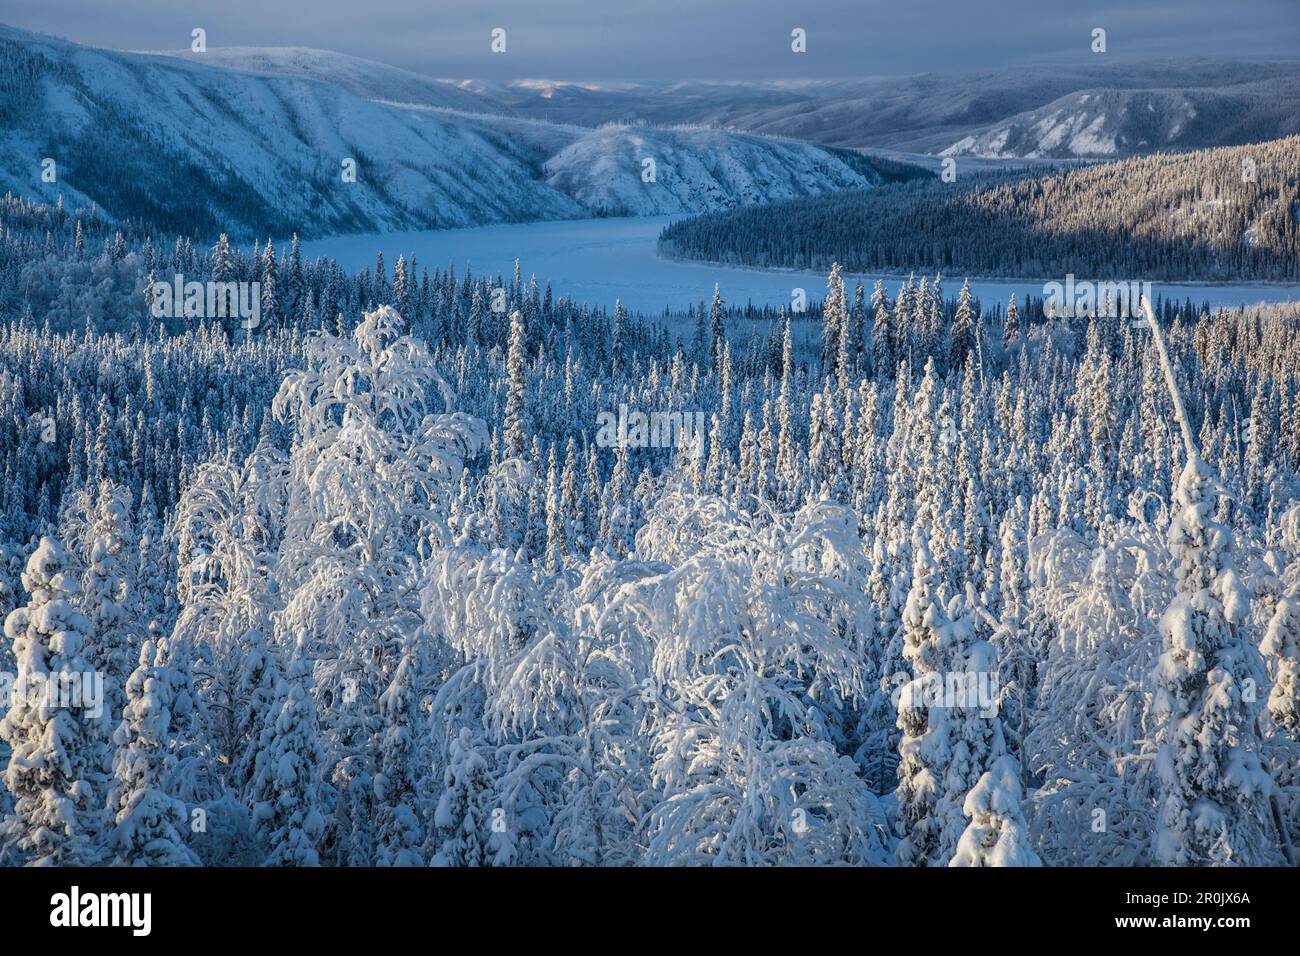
[600,260]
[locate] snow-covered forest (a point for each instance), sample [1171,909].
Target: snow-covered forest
[1227,213]
[940,583]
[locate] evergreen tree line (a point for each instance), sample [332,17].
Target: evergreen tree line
[1215,214]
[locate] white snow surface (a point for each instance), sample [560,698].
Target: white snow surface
[1099,124]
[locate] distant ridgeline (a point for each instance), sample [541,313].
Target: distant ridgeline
[1216,214]
[192,148]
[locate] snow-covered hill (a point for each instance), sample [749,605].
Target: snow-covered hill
[693,169]
[1105,123]
[992,112]
[368,79]
[199,148]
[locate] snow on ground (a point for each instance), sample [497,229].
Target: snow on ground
[365,78]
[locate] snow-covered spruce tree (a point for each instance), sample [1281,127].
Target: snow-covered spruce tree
[286,786]
[513,477]
[949,737]
[8,601]
[851,341]
[516,411]
[1281,645]
[834,315]
[962,335]
[1011,331]
[371,476]
[221,260]
[148,821]
[877,749]
[58,769]
[462,814]
[997,834]
[403,753]
[253,695]
[717,326]
[1214,786]
[106,586]
[757,631]
[787,466]
[153,584]
[1017,655]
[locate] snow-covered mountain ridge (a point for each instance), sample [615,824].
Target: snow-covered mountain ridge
[1039,110]
[1051,112]
[191,146]
[1106,123]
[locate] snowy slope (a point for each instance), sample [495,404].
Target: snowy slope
[1107,123]
[197,148]
[365,78]
[694,169]
[1250,102]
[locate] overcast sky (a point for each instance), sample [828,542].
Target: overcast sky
[684,39]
